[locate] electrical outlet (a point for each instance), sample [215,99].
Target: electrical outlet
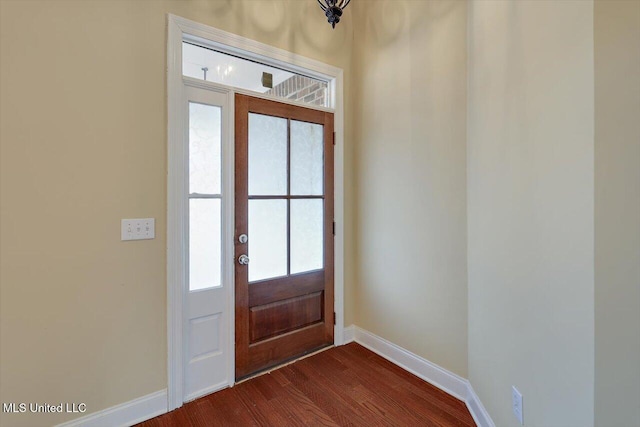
[138,229]
[516,404]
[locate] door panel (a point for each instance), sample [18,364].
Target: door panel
[281,316]
[284,204]
[206,353]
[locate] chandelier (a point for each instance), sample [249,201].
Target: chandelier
[333,9]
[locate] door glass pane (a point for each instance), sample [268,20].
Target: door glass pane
[204,243]
[204,148]
[267,155]
[306,158]
[306,235]
[267,239]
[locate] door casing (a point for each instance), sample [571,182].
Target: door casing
[180,29]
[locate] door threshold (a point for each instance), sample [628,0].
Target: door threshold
[287,363]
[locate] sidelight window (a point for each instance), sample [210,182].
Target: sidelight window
[205,241]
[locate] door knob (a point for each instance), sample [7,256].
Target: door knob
[243,259]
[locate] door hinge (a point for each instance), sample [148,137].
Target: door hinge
[334,317]
[333,228]
[334,138]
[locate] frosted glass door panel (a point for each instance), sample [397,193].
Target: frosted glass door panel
[204,244]
[267,239]
[306,158]
[267,155]
[306,235]
[204,148]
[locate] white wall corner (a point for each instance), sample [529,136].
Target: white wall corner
[445,380]
[126,414]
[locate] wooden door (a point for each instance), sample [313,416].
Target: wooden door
[283,232]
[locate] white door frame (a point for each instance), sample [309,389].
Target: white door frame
[180,29]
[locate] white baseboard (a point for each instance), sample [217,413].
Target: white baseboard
[477,409]
[348,334]
[445,380]
[126,414]
[430,372]
[154,404]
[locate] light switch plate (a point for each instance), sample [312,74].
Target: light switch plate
[138,229]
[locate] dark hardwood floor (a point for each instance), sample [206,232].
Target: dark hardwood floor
[343,386]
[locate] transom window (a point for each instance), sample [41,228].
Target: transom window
[213,66]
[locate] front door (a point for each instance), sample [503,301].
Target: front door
[283,232]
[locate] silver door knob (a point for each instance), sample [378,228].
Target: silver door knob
[243,259]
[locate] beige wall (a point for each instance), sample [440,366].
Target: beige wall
[83,144]
[410,84]
[530,207]
[617,213]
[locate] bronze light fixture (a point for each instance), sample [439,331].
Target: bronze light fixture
[333,10]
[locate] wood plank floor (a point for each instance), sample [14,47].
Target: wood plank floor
[343,386]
